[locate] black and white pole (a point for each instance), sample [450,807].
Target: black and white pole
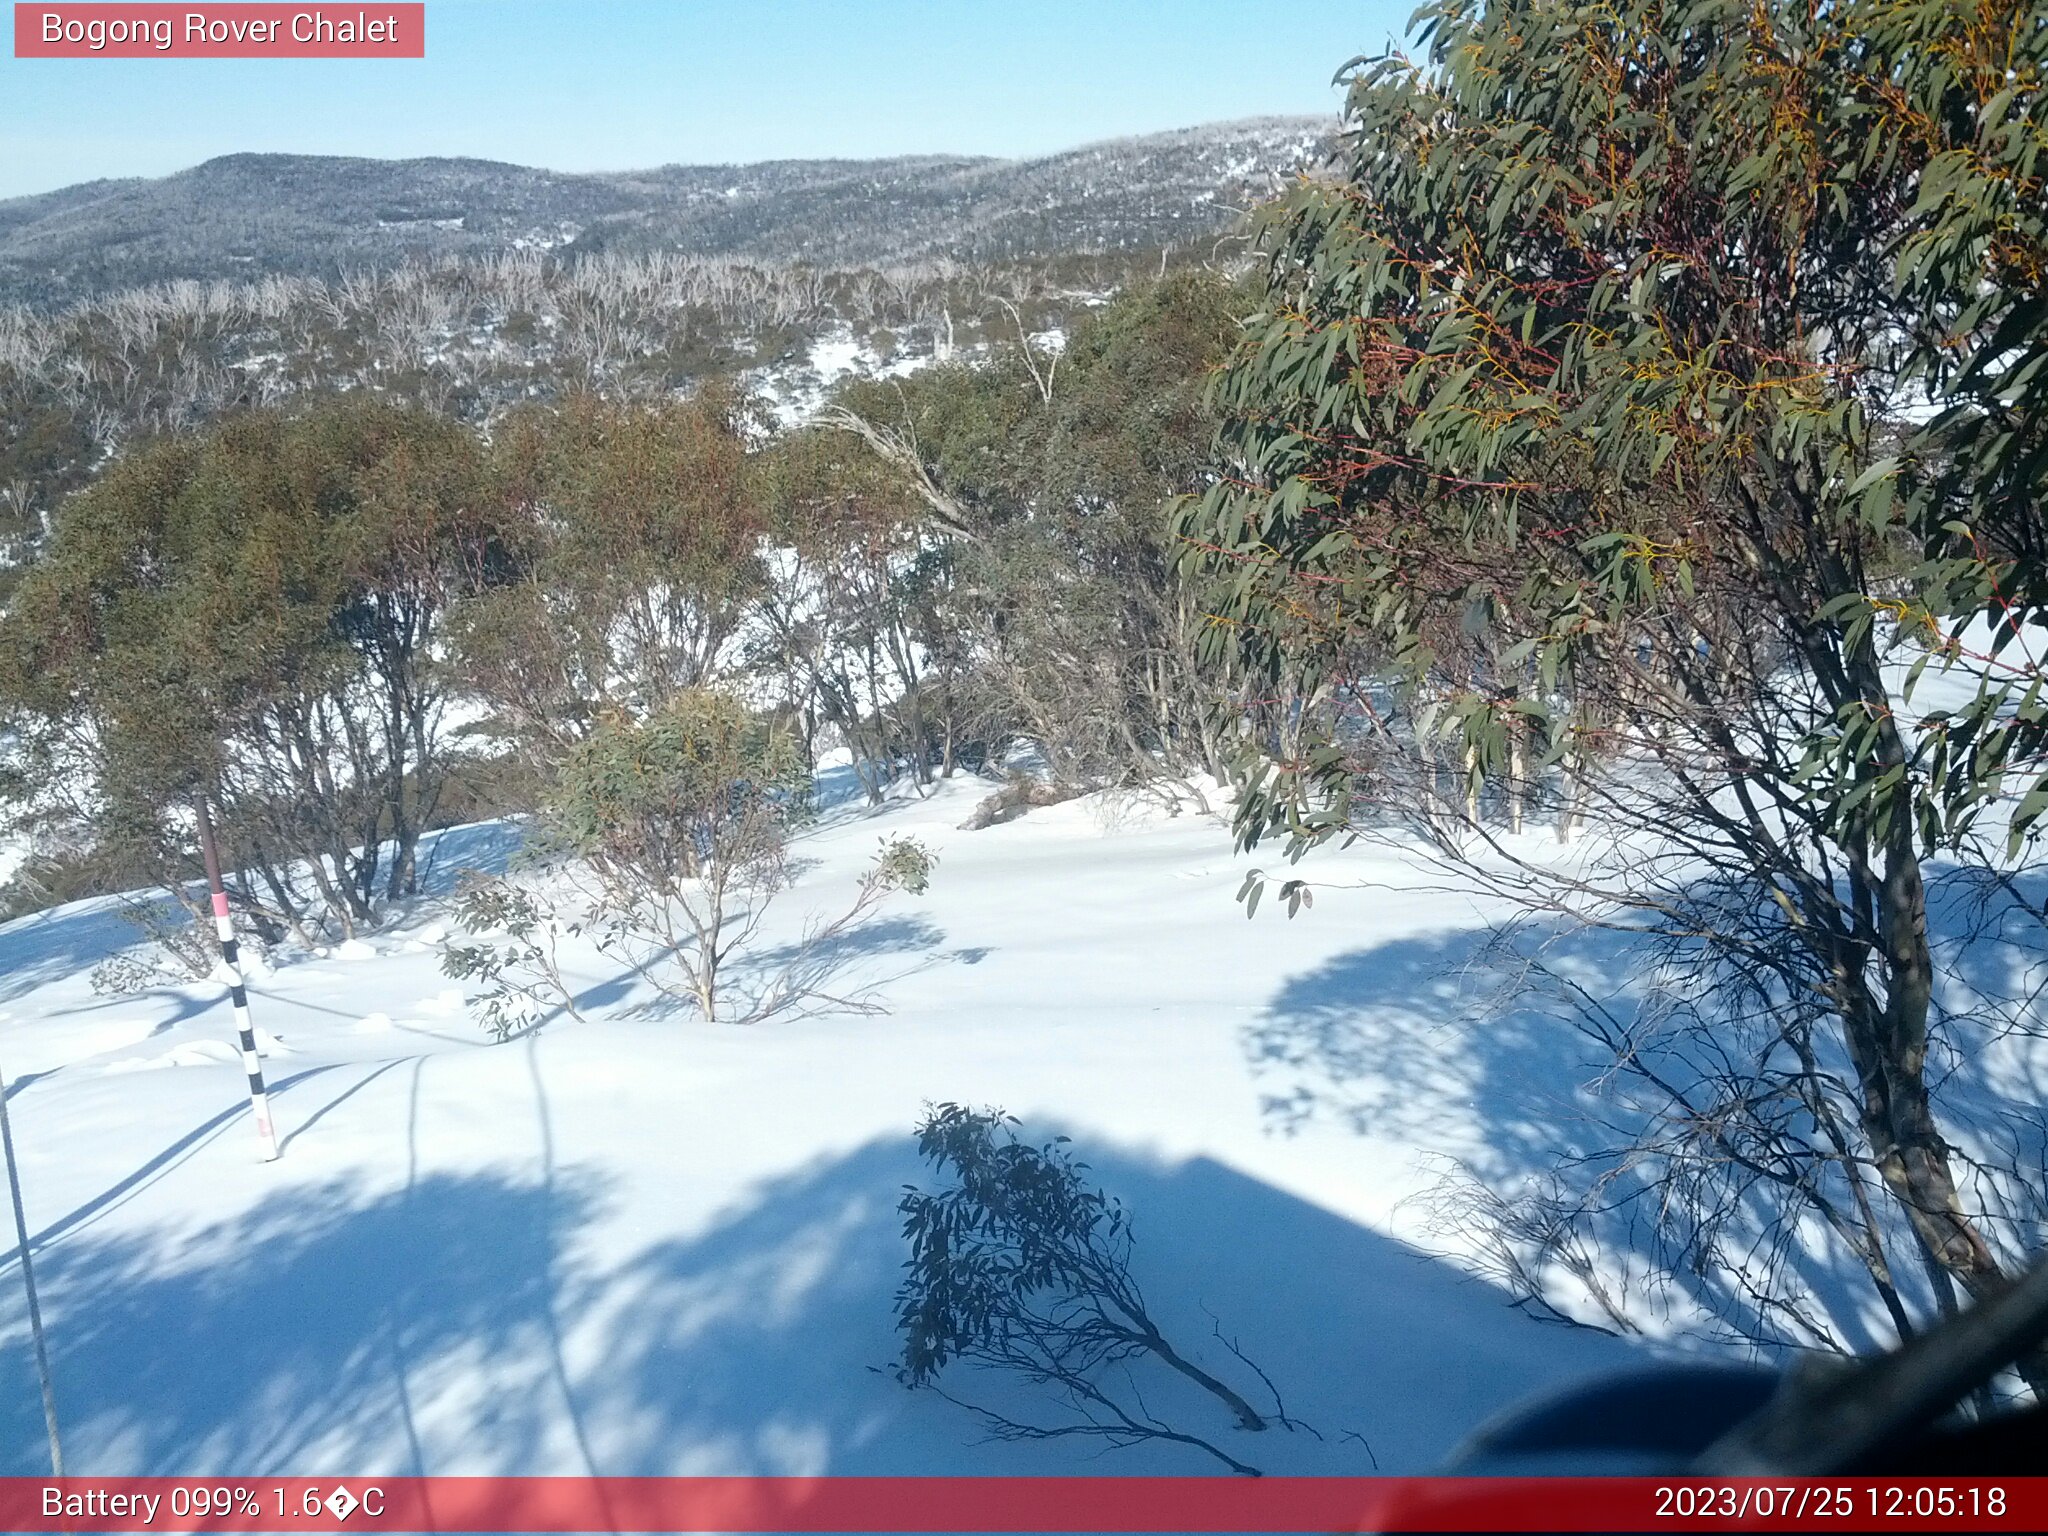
[28,1284]
[231,958]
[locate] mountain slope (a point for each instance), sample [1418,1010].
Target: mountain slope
[253,213]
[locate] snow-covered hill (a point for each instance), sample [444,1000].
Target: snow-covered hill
[250,215]
[645,1244]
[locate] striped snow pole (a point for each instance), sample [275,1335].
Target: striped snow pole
[231,957]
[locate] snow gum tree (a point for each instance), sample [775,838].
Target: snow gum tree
[253,615]
[635,534]
[1034,485]
[859,619]
[683,821]
[1584,421]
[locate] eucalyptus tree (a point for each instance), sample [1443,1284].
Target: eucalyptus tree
[633,533]
[1585,422]
[1038,478]
[254,615]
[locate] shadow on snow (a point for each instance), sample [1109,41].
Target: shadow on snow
[462,1325]
[1415,1041]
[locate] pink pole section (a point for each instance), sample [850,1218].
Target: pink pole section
[231,957]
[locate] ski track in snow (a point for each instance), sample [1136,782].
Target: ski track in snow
[644,1244]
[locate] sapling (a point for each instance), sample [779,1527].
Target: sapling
[669,839]
[522,970]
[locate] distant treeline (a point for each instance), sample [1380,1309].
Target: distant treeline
[466,339]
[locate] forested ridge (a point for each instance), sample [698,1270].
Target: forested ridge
[327,216]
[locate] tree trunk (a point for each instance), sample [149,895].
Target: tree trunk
[1888,1044]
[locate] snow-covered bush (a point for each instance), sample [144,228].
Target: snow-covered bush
[176,949]
[123,975]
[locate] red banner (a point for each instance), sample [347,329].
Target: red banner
[103,31]
[1049,1504]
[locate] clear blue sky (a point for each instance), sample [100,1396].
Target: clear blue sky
[618,84]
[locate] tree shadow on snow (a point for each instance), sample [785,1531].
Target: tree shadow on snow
[465,1324]
[62,942]
[822,974]
[877,938]
[483,847]
[1417,1041]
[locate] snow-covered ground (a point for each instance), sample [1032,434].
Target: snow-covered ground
[645,1244]
[795,393]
